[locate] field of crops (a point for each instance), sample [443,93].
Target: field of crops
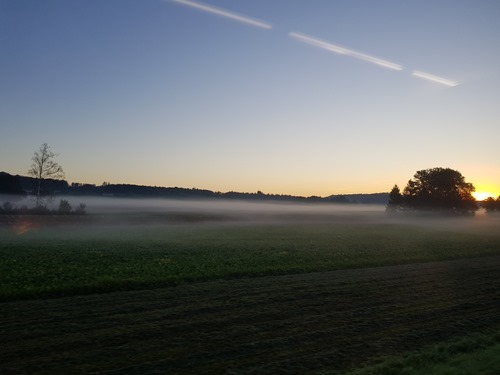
[323,295]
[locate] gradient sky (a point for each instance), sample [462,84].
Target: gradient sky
[156,92]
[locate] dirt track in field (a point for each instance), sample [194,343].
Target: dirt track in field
[307,323]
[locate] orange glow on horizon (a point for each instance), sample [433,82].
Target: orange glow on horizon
[482,195]
[484,191]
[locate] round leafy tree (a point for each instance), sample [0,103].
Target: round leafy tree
[441,189]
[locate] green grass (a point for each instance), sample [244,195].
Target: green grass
[477,354]
[314,322]
[67,260]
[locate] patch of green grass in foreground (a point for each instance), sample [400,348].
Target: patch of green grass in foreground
[471,355]
[69,261]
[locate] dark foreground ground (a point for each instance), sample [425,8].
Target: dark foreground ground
[325,322]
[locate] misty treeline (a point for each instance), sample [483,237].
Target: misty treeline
[46,179]
[491,204]
[441,190]
[23,186]
[64,208]
[436,189]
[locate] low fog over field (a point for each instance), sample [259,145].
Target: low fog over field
[144,211]
[225,207]
[108,205]
[123,209]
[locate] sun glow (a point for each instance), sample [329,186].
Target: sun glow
[482,195]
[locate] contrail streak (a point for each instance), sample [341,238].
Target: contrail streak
[314,42]
[433,78]
[225,13]
[344,51]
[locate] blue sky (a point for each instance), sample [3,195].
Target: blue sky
[156,92]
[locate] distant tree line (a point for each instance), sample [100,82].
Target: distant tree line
[46,180]
[11,185]
[22,186]
[491,204]
[436,189]
[64,208]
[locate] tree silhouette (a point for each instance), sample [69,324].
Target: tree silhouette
[491,205]
[441,189]
[395,200]
[10,184]
[64,207]
[43,166]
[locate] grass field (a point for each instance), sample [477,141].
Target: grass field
[204,293]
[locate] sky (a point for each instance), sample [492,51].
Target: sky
[296,97]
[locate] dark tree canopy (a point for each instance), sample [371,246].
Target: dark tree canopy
[438,189]
[10,184]
[491,205]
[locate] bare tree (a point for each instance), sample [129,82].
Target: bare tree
[43,167]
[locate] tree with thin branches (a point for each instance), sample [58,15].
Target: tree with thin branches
[43,167]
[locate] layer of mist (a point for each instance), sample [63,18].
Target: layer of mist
[107,205]
[210,210]
[103,211]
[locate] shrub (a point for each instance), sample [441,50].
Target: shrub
[80,210]
[64,207]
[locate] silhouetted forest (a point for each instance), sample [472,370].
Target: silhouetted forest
[22,186]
